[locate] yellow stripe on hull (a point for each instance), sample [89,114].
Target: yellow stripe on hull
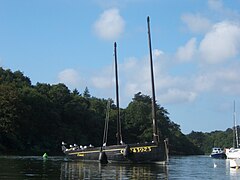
[133,149]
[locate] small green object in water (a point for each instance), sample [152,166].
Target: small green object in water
[45,156]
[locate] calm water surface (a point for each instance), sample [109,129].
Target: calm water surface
[179,167]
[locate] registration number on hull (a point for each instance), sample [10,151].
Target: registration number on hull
[139,149]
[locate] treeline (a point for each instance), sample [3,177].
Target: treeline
[37,118]
[206,141]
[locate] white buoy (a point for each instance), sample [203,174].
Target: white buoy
[45,156]
[214,165]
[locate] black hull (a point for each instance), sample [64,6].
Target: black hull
[219,156]
[137,153]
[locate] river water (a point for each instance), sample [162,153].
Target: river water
[178,167]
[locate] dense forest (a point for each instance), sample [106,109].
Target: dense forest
[37,118]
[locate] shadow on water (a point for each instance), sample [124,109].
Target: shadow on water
[29,167]
[90,170]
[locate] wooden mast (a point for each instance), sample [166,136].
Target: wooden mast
[119,133]
[155,131]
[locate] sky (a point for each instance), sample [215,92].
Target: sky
[195,45]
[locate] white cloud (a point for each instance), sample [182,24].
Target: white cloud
[221,43]
[104,78]
[222,11]
[132,88]
[130,63]
[110,25]
[204,82]
[196,23]
[70,77]
[172,89]
[169,89]
[134,76]
[228,80]
[135,72]
[101,82]
[178,96]
[157,53]
[225,80]
[185,53]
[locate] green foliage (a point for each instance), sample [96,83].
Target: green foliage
[36,118]
[9,114]
[138,119]
[138,126]
[17,78]
[206,141]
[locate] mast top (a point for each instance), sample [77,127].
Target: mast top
[148,19]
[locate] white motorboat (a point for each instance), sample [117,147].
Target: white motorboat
[233,153]
[218,153]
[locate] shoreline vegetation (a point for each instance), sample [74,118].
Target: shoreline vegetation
[35,119]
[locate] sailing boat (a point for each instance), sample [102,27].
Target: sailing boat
[155,151]
[234,152]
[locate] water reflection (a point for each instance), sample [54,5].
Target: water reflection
[179,167]
[89,170]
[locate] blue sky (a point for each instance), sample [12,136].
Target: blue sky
[196,51]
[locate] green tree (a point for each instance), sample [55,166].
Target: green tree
[86,93]
[17,78]
[59,94]
[138,121]
[75,92]
[10,112]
